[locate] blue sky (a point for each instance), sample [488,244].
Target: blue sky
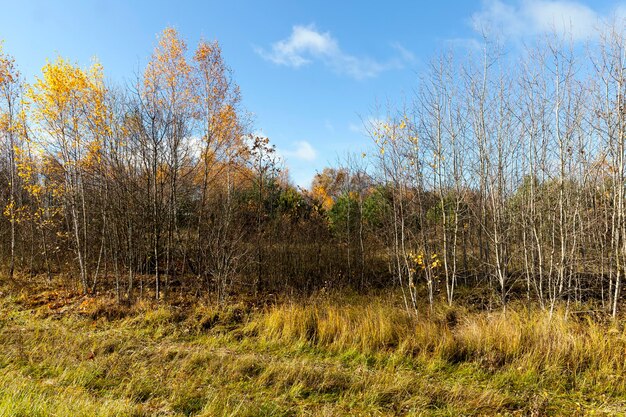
[309,72]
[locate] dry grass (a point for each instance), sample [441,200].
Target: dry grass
[62,354]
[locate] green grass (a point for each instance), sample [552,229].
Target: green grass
[65,355]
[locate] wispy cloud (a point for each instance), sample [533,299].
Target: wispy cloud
[307,44]
[303,151]
[405,54]
[365,127]
[356,127]
[468,44]
[533,17]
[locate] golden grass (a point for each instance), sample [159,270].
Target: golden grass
[327,356]
[494,338]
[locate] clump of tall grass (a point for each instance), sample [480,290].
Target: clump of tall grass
[536,341]
[368,328]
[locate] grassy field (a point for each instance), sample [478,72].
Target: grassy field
[63,354]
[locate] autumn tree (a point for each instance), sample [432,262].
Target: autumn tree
[66,104]
[163,114]
[10,127]
[221,127]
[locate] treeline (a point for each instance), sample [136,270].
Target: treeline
[155,187]
[512,170]
[501,173]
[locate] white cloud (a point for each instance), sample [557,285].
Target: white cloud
[300,161]
[304,41]
[307,44]
[303,151]
[563,16]
[533,17]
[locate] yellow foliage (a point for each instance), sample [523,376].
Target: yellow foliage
[319,193]
[168,73]
[8,73]
[69,107]
[418,260]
